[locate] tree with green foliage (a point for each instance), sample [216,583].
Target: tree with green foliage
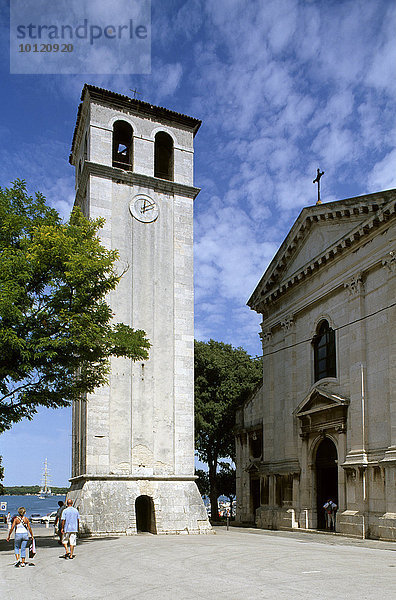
[202,482]
[224,378]
[56,329]
[22,490]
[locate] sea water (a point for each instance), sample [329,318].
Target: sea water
[32,503]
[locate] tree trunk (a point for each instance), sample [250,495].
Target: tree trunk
[213,490]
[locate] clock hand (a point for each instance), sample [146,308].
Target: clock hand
[147,206]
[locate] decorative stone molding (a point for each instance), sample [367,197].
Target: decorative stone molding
[341,428]
[354,285]
[321,412]
[287,323]
[266,336]
[390,261]
[350,472]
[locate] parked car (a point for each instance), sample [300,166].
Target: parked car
[35,518]
[50,518]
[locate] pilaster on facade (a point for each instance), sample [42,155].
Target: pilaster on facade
[355,458]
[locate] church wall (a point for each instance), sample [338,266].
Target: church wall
[352,286]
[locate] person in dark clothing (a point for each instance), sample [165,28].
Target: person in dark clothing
[58,520]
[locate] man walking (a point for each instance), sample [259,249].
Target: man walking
[69,526]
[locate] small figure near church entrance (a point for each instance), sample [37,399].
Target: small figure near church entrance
[330,509]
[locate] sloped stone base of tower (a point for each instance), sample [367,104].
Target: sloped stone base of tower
[127,506]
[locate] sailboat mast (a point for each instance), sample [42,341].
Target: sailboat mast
[45,488]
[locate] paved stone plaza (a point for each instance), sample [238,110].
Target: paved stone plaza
[239,564]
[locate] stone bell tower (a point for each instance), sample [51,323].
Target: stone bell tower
[133,440]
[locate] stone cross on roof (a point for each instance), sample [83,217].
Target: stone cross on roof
[319,174]
[135,92]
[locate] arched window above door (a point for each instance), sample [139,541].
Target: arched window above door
[324,351]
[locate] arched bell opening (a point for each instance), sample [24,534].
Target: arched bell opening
[326,467]
[122,146]
[163,156]
[145,514]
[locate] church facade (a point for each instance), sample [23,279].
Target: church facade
[323,423]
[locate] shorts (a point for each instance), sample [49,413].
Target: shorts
[71,537]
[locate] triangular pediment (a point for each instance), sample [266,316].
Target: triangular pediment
[320,237]
[319,233]
[319,399]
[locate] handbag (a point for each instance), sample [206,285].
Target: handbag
[32,548]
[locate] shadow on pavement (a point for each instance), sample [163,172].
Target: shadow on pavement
[46,541]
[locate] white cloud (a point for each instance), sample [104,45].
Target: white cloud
[282,87]
[228,264]
[334,146]
[383,175]
[287,87]
[60,194]
[44,166]
[284,24]
[165,80]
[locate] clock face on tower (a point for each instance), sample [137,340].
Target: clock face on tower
[144,208]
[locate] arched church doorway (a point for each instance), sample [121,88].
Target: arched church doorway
[145,514]
[326,477]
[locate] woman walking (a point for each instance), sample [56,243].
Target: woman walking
[22,530]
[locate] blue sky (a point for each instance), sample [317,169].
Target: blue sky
[282,87]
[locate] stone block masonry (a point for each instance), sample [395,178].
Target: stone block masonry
[133,451]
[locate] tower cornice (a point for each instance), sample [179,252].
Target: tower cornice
[131,178]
